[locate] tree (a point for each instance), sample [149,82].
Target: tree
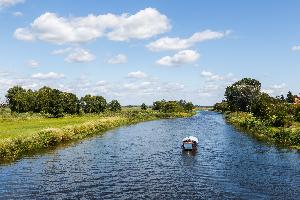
[16,97]
[114,106]
[221,107]
[171,106]
[261,106]
[143,106]
[241,94]
[70,103]
[157,105]
[93,104]
[290,98]
[297,112]
[49,101]
[189,107]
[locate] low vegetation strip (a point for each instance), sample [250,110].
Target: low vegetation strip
[27,141]
[283,136]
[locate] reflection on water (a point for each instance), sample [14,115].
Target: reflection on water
[189,153]
[146,161]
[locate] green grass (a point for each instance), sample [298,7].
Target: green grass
[27,133]
[21,128]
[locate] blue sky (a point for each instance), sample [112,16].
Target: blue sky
[141,51]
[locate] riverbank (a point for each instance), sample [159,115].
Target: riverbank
[283,136]
[24,134]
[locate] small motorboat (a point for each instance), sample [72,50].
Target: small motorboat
[189,143]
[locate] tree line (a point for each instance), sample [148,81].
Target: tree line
[246,96]
[55,102]
[173,106]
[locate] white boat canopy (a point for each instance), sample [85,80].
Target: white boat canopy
[190,138]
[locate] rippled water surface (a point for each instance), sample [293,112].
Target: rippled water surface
[145,161]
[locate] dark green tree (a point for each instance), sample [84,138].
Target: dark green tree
[290,97]
[114,106]
[93,104]
[16,97]
[221,107]
[189,107]
[143,106]
[49,101]
[241,94]
[157,105]
[70,103]
[171,106]
[261,106]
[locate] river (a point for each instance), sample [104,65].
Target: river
[145,161]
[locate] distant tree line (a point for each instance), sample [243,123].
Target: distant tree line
[246,96]
[173,106]
[55,102]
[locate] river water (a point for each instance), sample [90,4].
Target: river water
[145,161]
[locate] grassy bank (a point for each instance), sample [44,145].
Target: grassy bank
[27,133]
[283,136]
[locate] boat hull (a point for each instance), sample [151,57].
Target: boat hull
[189,146]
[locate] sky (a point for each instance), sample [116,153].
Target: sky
[142,51]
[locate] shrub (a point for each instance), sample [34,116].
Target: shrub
[143,106]
[114,106]
[221,107]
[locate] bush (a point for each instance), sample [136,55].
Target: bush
[221,107]
[93,104]
[114,106]
[173,106]
[143,106]
[296,109]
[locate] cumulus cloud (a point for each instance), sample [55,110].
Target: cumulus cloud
[118,59]
[47,76]
[32,63]
[180,58]
[296,48]
[24,34]
[137,74]
[176,43]
[52,28]
[209,76]
[79,55]
[9,3]
[276,89]
[75,55]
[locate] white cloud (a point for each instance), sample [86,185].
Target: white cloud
[9,3]
[137,74]
[276,89]
[75,55]
[33,63]
[176,43]
[280,86]
[180,58]
[79,55]
[118,59]
[50,75]
[60,30]
[24,34]
[17,14]
[296,48]
[62,51]
[211,77]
